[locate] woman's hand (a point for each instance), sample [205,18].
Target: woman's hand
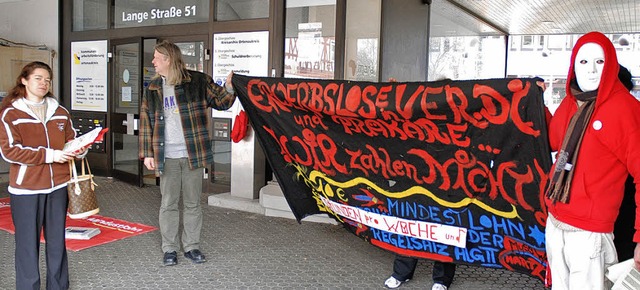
[60,156]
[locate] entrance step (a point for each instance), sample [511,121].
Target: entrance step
[275,204]
[226,200]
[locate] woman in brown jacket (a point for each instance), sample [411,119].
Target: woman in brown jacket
[33,131]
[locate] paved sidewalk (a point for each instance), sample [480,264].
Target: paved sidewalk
[244,251]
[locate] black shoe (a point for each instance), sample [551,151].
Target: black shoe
[195,256]
[170,258]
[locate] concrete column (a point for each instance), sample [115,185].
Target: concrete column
[247,167]
[247,171]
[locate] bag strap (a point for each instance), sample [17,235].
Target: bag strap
[93,184]
[73,172]
[71,163]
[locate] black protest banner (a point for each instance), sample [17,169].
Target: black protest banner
[451,171]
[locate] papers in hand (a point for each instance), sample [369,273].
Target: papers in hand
[624,276]
[95,135]
[80,233]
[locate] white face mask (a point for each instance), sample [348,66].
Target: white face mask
[588,66]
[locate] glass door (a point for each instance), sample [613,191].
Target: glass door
[128,79]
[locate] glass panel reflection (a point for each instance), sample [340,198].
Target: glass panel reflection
[310,39]
[241,9]
[90,14]
[362,40]
[463,47]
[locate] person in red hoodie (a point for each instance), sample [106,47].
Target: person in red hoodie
[596,132]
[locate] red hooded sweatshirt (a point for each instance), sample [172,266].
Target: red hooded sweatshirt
[609,151]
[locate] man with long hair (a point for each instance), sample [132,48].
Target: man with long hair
[174,141]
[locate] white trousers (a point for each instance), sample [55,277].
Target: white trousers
[579,259]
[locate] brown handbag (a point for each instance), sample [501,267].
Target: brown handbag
[81,191]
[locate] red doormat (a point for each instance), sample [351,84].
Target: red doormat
[111,229]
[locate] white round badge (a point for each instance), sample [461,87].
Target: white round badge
[597,125]
[125,76]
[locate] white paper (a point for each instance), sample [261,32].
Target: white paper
[82,141]
[126,94]
[624,276]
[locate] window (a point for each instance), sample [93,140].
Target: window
[527,42]
[463,49]
[90,14]
[362,40]
[556,42]
[514,42]
[540,44]
[241,9]
[310,39]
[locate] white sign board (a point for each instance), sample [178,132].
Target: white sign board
[245,53]
[89,76]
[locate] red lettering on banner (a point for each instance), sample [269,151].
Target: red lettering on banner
[541,216]
[460,107]
[310,121]
[434,168]
[520,180]
[422,129]
[468,170]
[330,91]
[428,106]
[369,94]
[316,100]
[481,173]
[319,151]
[377,161]
[456,132]
[284,148]
[406,110]
[462,161]
[365,102]
[520,92]
[263,97]
[348,104]
[494,114]
[514,255]
[433,132]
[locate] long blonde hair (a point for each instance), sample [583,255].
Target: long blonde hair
[177,69]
